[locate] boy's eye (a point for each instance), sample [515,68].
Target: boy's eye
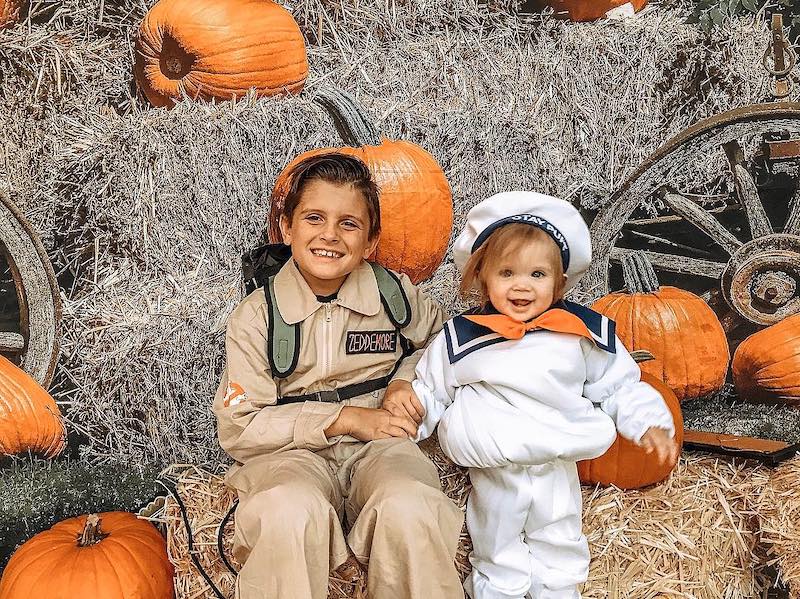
[313,217]
[350,224]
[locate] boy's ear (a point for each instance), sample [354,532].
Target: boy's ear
[371,245]
[286,229]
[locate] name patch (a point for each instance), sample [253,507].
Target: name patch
[371,342]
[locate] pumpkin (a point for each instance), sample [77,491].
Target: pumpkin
[29,416]
[766,365]
[415,199]
[589,10]
[9,12]
[112,555]
[218,49]
[627,465]
[679,328]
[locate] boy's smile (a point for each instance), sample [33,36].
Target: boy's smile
[329,234]
[522,285]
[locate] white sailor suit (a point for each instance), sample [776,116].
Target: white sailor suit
[519,413]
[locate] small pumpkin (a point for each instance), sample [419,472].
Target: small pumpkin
[766,365]
[627,465]
[113,555]
[9,12]
[590,10]
[29,417]
[218,49]
[415,198]
[687,341]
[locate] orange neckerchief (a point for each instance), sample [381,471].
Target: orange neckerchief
[555,319]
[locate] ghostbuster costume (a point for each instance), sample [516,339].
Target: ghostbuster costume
[293,362]
[520,403]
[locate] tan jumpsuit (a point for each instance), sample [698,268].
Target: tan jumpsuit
[295,485]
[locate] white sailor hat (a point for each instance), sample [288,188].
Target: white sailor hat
[559,219]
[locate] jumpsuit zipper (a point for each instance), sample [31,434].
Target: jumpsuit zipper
[326,340]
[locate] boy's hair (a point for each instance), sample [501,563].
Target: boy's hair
[504,241]
[337,169]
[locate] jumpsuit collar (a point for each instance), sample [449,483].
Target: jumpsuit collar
[296,302]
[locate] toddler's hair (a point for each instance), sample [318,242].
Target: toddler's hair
[337,169]
[506,240]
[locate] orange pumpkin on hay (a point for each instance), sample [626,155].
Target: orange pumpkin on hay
[113,555]
[766,365]
[682,332]
[415,199]
[628,466]
[590,10]
[29,417]
[218,49]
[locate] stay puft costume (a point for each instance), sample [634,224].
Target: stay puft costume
[294,484]
[520,412]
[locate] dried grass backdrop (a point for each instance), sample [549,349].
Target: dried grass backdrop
[145,212]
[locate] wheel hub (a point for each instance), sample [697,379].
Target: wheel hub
[761,279]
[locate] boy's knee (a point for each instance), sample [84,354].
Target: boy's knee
[410,505]
[284,508]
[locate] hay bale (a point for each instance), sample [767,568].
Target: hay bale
[693,536]
[778,507]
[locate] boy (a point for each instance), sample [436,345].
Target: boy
[312,427]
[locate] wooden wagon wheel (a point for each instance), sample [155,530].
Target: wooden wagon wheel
[36,344]
[743,249]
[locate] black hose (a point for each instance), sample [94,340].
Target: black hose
[220,532]
[174,492]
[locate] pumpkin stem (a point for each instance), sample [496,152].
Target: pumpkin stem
[348,118]
[174,61]
[91,534]
[639,274]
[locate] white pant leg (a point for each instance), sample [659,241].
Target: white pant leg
[559,552]
[497,509]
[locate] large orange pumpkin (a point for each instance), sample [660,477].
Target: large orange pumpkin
[29,417]
[416,203]
[589,10]
[113,555]
[766,365]
[682,332]
[218,49]
[9,12]
[628,466]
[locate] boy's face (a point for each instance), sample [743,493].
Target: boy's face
[523,283]
[329,234]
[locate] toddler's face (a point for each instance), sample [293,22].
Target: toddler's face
[522,285]
[329,234]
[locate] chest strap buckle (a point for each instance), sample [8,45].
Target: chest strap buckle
[326,396]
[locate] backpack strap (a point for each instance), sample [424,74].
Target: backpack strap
[283,339]
[393,297]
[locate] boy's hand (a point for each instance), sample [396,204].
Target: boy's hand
[656,439]
[401,400]
[368,424]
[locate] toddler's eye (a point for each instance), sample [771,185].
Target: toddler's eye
[538,274]
[505,273]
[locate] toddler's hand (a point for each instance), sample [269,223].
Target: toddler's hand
[401,400]
[657,439]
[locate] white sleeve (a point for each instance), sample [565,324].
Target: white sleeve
[435,385]
[613,382]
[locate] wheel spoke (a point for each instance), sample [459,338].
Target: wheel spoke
[678,264]
[747,191]
[702,220]
[793,221]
